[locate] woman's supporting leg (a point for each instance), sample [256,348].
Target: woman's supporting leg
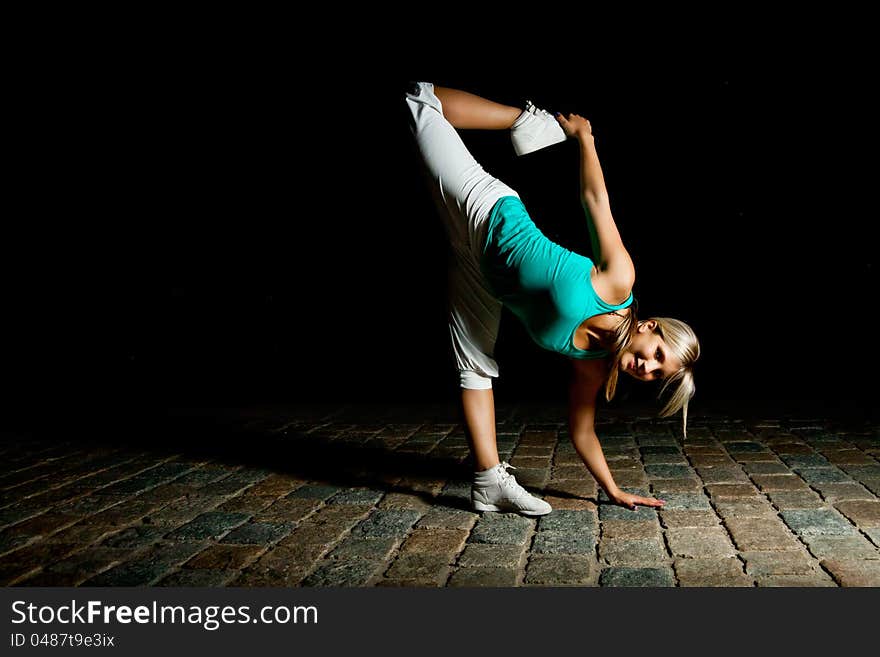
[469,111]
[479,416]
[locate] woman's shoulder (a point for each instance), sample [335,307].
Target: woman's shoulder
[610,290]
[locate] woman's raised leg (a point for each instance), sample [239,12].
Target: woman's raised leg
[469,111]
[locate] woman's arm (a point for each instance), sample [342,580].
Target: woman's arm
[612,259]
[586,381]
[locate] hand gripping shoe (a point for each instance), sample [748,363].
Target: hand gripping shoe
[535,129]
[497,490]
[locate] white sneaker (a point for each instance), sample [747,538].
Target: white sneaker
[497,490]
[535,129]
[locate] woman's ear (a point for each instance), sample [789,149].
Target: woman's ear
[647,325]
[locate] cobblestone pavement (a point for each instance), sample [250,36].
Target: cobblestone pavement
[361,496]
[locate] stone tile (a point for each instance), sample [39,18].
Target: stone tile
[637,577]
[435,541]
[723,475]
[815,476]
[682,519]
[808,460]
[780,482]
[370,549]
[631,529]
[699,542]
[45,524]
[632,552]
[541,450]
[841,547]
[655,440]
[874,535]
[198,577]
[745,507]
[756,457]
[368,496]
[226,557]
[388,523]
[834,493]
[801,499]
[343,572]
[663,487]
[569,504]
[275,485]
[565,542]
[448,518]
[685,502]
[863,513]
[795,581]
[288,510]
[432,569]
[212,524]
[791,449]
[79,566]
[135,537]
[719,572]
[818,522]
[562,570]
[854,572]
[668,471]
[537,462]
[485,577]
[477,555]
[404,501]
[502,529]
[761,534]
[149,566]
[666,459]
[315,531]
[581,488]
[738,447]
[570,521]
[790,562]
[848,457]
[608,511]
[731,491]
[630,478]
[249,504]
[766,468]
[660,449]
[259,533]
[569,458]
[534,479]
[281,566]
[704,456]
[314,491]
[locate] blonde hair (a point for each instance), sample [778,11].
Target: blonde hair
[682,342]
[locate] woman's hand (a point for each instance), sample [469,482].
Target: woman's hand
[575,126]
[632,501]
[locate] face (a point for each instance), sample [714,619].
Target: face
[648,358]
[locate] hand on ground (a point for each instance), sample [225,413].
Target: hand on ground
[633,501]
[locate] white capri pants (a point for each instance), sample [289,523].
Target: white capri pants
[465,196]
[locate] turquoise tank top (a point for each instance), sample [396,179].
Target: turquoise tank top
[545,285]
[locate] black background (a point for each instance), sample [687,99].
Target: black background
[267,237]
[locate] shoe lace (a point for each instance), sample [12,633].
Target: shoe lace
[530,107]
[509,481]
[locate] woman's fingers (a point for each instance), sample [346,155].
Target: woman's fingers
[649,501]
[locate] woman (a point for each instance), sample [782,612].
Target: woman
[567,303]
